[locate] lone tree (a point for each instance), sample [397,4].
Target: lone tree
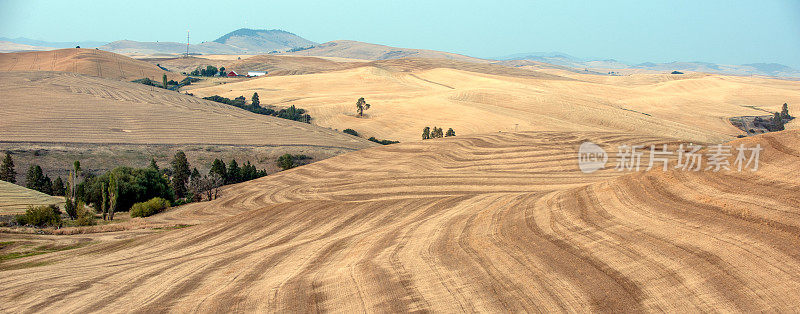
[785,112]
[361,105]
[71,193]
[180,174]
[164,80]
[450,133]
[426,133]
[113,193]
[256,102]
[7,172]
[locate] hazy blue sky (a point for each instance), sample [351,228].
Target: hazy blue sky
[729,32]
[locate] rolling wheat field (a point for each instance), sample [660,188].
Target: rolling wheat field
[484,223]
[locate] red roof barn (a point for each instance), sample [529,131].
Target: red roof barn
[232,74]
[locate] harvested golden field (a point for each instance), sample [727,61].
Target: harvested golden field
[84,61]
[57,107]
[408,94]
[14,199]
[490,223]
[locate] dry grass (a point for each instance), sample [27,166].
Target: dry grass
[500,222]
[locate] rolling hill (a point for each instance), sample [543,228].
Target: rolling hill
[56,118]
[83,109]
[83,61]
[14,199]
[484,223]
[408,94]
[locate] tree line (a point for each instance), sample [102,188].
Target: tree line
[291,113]
[122,188]
[436,132]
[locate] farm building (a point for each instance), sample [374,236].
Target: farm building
[232,74]
[256,73]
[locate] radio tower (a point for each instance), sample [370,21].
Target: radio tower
[187,44]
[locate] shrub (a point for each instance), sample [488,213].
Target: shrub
[382,142]
[289,161]
[41,216]
[85,217]
[350,131]
[149,208]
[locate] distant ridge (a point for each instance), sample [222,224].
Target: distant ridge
[563,59]
[241,41]
[366,51]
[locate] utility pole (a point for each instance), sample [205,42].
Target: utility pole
[187,44]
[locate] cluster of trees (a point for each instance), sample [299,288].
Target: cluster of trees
[289,161]
[232,173]
[296,49]
[122,188]
[777,121]
[167,84]
[36,180]
[428,133]
[350,131]
[383,142]
[210,70]
[291,113]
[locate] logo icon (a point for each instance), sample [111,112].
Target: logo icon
[591,157]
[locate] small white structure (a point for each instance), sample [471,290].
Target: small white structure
[256,73]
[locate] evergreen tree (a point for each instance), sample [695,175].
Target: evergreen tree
[785,112]
[34,178]
[7,172]
[426,133]
[153,164]
[218,168]
[361,105]
[58,187]
[180,174]
[450,132]
[164,80]
[256,102]
[777,122]
[46,186]
[195,174]
[234,173]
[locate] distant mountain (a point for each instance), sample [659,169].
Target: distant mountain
[59,44]
[366,51]
[562,59]
[7,46]
[263,40]
[242,41]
